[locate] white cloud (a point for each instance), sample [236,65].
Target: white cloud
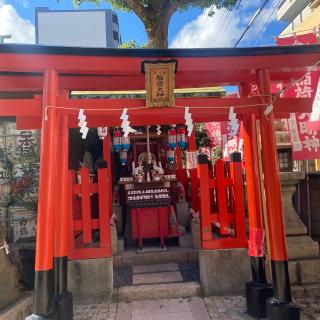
[225,27]
[11,22]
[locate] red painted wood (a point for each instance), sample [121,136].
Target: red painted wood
[222,197]
[123,65]
[107,149]
[90,253]
[204,202]
[146,222]
[78,225]
[104,207]
[225,243]
[277,237]
[236,175]
[77,188]
[86,207]
[62,223]
[48,174]
[136,82]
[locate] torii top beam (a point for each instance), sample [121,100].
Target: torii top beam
[22,67]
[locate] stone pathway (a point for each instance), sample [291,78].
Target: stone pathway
[211,308]
[159,282]
[156,273]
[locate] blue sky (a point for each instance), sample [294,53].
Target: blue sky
[188,29]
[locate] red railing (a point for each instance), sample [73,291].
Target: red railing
[90,206]
[221,203]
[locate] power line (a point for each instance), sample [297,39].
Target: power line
[205,21]
[261,31]
[185,29]
[225,25]
[216,30]
[253,19]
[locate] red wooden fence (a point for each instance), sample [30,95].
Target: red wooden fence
[90,207]
[221,203]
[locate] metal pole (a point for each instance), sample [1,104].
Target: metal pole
[299,191]
[308,198]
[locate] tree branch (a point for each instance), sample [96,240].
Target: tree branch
[137,8]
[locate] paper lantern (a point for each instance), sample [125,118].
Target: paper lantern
[102,132]
[123,157]
[181,138]
[125,143]
[117,140]
[170,156]
[172,138]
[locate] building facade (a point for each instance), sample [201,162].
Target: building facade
[303,16]
[77,28]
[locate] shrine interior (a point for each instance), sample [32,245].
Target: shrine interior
[151,193]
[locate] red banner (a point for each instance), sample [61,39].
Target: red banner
[220,134]
[305,142]
[304,139]
[309,38]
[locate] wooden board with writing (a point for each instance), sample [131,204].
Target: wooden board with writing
[160,84]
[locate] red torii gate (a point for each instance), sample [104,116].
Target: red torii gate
[48,73]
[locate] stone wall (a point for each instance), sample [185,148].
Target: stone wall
[314,183]
[19,175]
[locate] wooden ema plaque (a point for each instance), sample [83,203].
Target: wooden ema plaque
[160,84]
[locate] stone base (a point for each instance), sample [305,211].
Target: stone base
[90,280]
[183,213]
[302,247]
[117,210]
[256,296]
[304,271]
[19,309]
[9,280]
[185,241]
[277,310]
[64,306]
[224,272]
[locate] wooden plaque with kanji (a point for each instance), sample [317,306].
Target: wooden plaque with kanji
[160,84]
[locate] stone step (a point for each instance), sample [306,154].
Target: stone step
[157,277]
[304,271]
[157,291]
[153,268]
[130,258]
[305,291]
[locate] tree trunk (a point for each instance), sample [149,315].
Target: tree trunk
[158,34]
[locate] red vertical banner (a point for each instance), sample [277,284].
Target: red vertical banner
[303,133]
[220,134]
[305,142]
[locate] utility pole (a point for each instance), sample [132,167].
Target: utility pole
[6,36]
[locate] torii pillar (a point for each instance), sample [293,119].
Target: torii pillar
[257,290]
[43,306]
[279,307]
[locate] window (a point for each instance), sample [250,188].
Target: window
[115,19]
[285,160]
[115,35]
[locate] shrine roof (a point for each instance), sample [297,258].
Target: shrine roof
[97,69]
[170,53]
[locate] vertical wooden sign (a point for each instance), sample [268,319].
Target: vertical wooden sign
[160,83]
